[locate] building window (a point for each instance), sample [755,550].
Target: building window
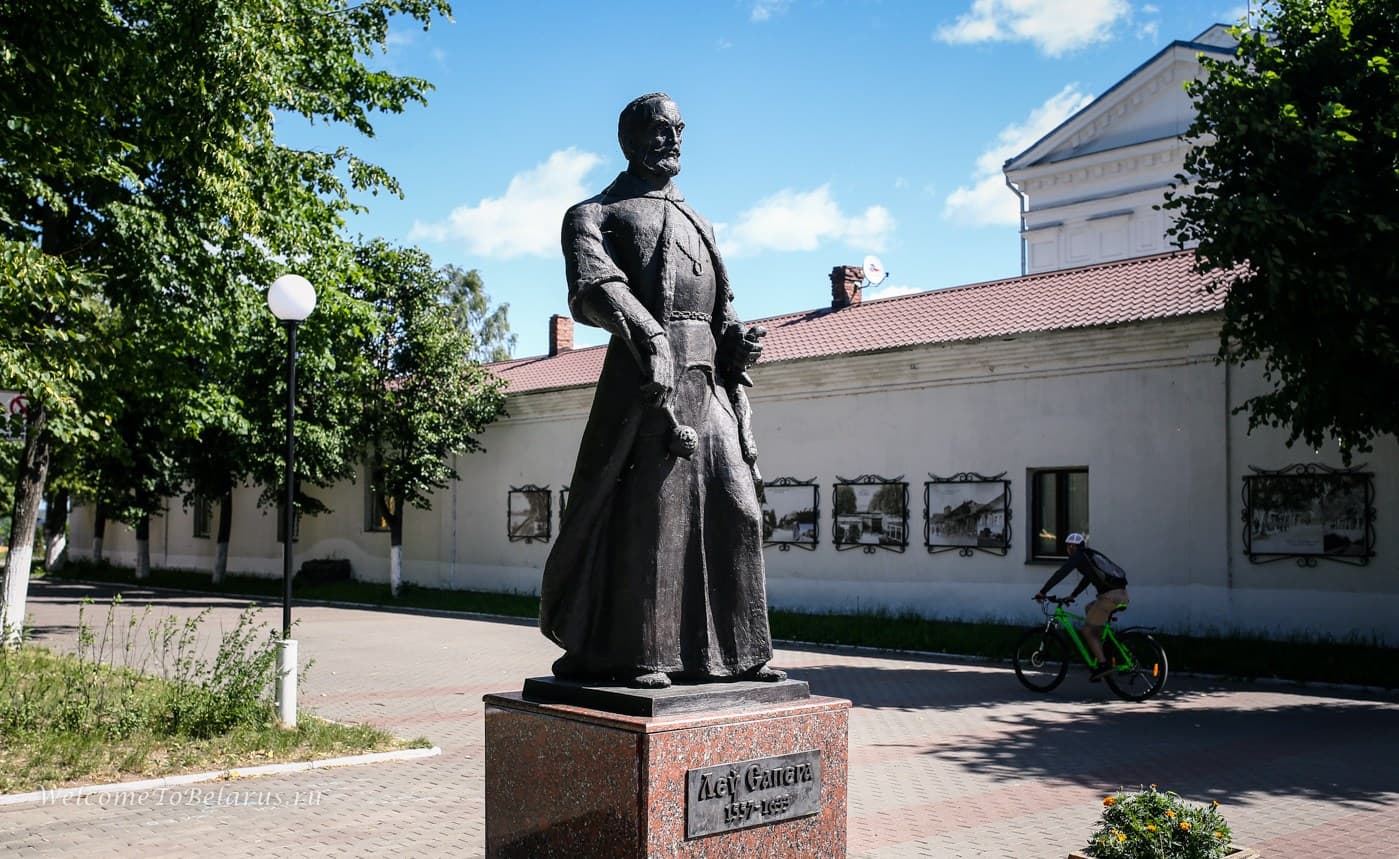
[203,516]
[1058,508]
[377,506]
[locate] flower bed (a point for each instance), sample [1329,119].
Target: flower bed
[1154,824]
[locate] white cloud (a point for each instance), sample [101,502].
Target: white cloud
[988,201]
[525,220]
[765,9]
[1056,27]
[801,221]
[890,291]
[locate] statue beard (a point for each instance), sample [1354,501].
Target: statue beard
[665,163]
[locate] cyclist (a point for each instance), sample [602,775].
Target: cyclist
[1111,584]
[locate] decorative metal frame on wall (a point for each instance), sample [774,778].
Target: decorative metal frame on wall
[802,537]
[971,525]
[534,523]
[894,540]
[1309,511]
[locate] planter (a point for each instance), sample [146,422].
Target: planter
[1236,853]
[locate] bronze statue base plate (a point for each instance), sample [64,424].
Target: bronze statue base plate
[677,698]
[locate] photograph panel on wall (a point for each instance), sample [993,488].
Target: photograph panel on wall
[1309,511]
[791,513]
[967,512]
[870,512]
[529,513]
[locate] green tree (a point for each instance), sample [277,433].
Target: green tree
[55,341]
[1292,192]
[138,158]
[427,398]
[488,328]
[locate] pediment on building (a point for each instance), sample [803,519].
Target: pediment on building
[1149,104]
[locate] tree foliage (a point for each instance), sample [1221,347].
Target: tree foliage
[1293,197]
[144,198]
[488,328]
[426,397]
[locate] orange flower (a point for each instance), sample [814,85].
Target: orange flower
[1215,804]
[1218,834]
[1109,801]
[1120,836]
[1185,825]
[1170,814]
[1151,827]
[1153,787]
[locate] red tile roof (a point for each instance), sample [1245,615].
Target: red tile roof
[1154,287]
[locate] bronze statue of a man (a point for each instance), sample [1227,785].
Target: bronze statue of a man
[658,570]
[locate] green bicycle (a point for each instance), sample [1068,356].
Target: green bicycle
[1042,654]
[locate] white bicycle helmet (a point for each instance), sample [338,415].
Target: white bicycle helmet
[1075,539]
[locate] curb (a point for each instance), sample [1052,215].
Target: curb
[166,782]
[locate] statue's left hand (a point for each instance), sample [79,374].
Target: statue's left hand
[738,353]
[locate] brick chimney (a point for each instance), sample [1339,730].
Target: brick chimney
[845,285]
[560,334]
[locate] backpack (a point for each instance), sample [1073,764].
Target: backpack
[1113,576]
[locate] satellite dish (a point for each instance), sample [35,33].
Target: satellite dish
[874,270]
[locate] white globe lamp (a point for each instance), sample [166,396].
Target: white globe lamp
[291,298]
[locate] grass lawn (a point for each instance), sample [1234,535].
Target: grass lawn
[103,715]
[1243,656]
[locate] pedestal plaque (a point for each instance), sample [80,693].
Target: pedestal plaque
[760,779]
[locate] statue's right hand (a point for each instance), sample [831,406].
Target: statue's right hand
[658,371]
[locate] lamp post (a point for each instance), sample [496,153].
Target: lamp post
[291,298]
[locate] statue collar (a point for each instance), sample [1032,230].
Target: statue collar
[627,186]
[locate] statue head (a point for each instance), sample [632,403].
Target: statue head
[649,130]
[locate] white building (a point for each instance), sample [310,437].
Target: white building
[1089,188]
[1088,388]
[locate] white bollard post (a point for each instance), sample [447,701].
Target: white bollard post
[286,682]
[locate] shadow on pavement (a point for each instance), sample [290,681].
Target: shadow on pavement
[1231,741]
[100,595]
[1336,751]
[73,593]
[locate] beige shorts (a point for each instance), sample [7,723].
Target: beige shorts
[1102,608]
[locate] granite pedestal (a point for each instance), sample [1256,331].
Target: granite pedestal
[698,778]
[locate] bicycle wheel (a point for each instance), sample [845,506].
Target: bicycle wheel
[1041,660]
[1147,673]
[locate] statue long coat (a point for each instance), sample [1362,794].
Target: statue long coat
[658,565]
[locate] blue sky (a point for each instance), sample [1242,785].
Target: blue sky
[817,131]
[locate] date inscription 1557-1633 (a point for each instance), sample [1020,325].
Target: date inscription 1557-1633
[738,795]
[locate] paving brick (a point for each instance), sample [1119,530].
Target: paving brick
[947,758]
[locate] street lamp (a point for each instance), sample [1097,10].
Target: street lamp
[291,298]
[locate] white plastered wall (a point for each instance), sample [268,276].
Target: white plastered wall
[1143,407]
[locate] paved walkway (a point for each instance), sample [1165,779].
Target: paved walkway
[947,758]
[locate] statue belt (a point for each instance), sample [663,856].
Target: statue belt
[693,315]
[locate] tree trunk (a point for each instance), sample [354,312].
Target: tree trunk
[221,545]
[143,547]
[29,489]
[56,531]
[99,531]
[395,550]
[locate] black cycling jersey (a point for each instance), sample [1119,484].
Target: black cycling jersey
[1096,568]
